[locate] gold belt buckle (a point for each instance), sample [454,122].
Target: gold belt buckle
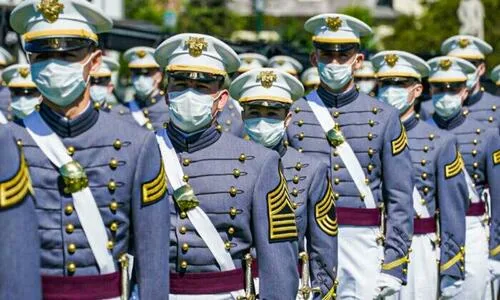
[335,136]
[74,177]
[185,198]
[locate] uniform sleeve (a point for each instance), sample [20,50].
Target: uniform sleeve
[20,245]
[151,222]
[321,234]
[452,195]
[493,176]
[397,188]
[275,233]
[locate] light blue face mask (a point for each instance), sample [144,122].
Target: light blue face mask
[190,110]
[143,86]
[447,105]
[335,76]
[265,131]
[61,82]
[472,80]
[24,105]
[99,93]
[366,86]
[395,96]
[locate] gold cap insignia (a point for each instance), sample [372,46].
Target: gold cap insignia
[280,62]
[445,64]
[333,23]
[141,53]
[391,59]
[248,60]
[50,9]
[267,78]
[24,72]
[463,43]
[196,46]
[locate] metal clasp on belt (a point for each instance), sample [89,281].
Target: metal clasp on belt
[381,234]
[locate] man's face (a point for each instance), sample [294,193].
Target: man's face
[103,81]
[350,56]
[154,73]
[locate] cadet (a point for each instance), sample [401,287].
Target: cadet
[286,64]
[310,79]
[99,183]
[230,117]
[230,195]
[480,147]
[266,96]
[148,108]
[24,94]
[440,194]
[19,249]
[495,77]
[364,177]
[366,79]
[480,105]
[5,109]
[101,86]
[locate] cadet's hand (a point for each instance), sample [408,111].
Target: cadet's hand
[494,266]
[387,285]
[450,287]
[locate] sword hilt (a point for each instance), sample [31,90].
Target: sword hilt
[249,289]
[306,290]
[124,264]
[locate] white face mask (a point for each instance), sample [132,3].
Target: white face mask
[24,105]
[61,82]
[446,104]
[472,80]
[190,110]
[395,96]
[99,93]
[143,86]
[366,86]
[265,131]
[335,76]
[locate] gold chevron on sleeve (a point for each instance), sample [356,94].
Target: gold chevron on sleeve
[395,264]
[154,190]
[455,259]
[282,225]
[496,157]
[14,190]
[331,294]
[455,167]
[325,212]
[400,143]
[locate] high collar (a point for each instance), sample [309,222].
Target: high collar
[150,101]
[411,122]
[65,127]
[451,123]
[281,147]
[473,99]
[184,142]
[337,100]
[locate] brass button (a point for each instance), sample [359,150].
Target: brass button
[236,173]
[426,190]
[367,181]
[476,176]
[184,264]
[431,136]
[71,150]
[423,162]
[426,148]
[336,114]
[71,267]
[475,165]
[146,112]
[113,227]
[300,123]
[335,153]
[474,152]
[298,166]
[149,126]
[227,245]
[424,176]
[370,167]
[117,144]
[336,196]
[294,205]
[475,142]
[113,163]
[336,167]
[183,215]
[228,122]
[233,212]
[110,245]
[370,152]
[68,210]
[113,206]
[295,192]
[70,228]
[185,178]
[71,248]
[97,105]
[422,201]
[112,185]
[182,230]
[218,128]
[231,106]
[242,157]
[465,112]
[478,131]
[186,162]
[490,119]
[462,249]
[19,143]
[295,179]
[297,110]
[405,271]
[336,181]
[231,230]
[161,93]
[494,108]
[362,197]
[375,110]
[37,107]
[154,100]
[301,136]
[370,136]
[371,123]
[185,247]
[233,191]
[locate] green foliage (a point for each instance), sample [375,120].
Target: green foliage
[147,10]
[364,14]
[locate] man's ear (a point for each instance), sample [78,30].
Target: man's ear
[465,95]
[158,78]
[418,90]
[111,87]
[313,58]
[358,61]
[221,101]
[288,119]
[481,69]
[96,61]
